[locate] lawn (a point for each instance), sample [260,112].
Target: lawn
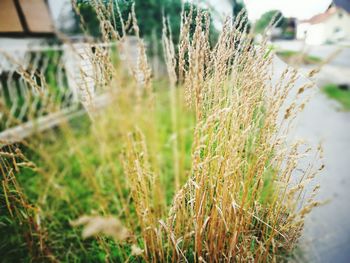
[342,96]
[79,171]
[290,56]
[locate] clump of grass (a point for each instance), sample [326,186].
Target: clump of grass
[193,168]
[239,197]
[334,92]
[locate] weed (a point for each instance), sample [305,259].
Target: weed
[195,168]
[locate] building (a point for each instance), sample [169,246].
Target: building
[24,24]
[331,26]
[25,18]
[30,52]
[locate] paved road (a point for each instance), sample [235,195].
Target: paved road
[326,237]
[327,230]
[324,51]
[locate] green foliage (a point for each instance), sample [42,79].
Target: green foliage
[149,14]
[91,21]
[266,19]
[342,96]
[290,56]
[238,6]
[75,179]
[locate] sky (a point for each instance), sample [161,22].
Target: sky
[58,6]
[302,9]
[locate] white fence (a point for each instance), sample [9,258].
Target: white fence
[40,86]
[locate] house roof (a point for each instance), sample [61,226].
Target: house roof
[332,9]
[25,18]
[345,4]
[321,17]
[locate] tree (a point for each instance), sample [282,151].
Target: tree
[266,19]
[237,7]
[149,14]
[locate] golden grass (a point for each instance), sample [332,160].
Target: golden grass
[241,199]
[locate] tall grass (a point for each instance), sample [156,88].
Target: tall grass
[195,168]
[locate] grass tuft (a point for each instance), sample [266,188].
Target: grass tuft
[192,168]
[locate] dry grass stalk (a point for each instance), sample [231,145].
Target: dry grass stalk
[242,197]
[239,196]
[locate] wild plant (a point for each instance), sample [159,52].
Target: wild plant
[197,168]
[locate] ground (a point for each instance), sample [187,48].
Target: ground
[327,231]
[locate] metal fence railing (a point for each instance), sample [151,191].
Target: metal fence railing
[38,86]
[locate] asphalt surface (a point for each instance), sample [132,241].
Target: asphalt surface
[326,236]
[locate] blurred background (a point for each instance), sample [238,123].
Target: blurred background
[312,34]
